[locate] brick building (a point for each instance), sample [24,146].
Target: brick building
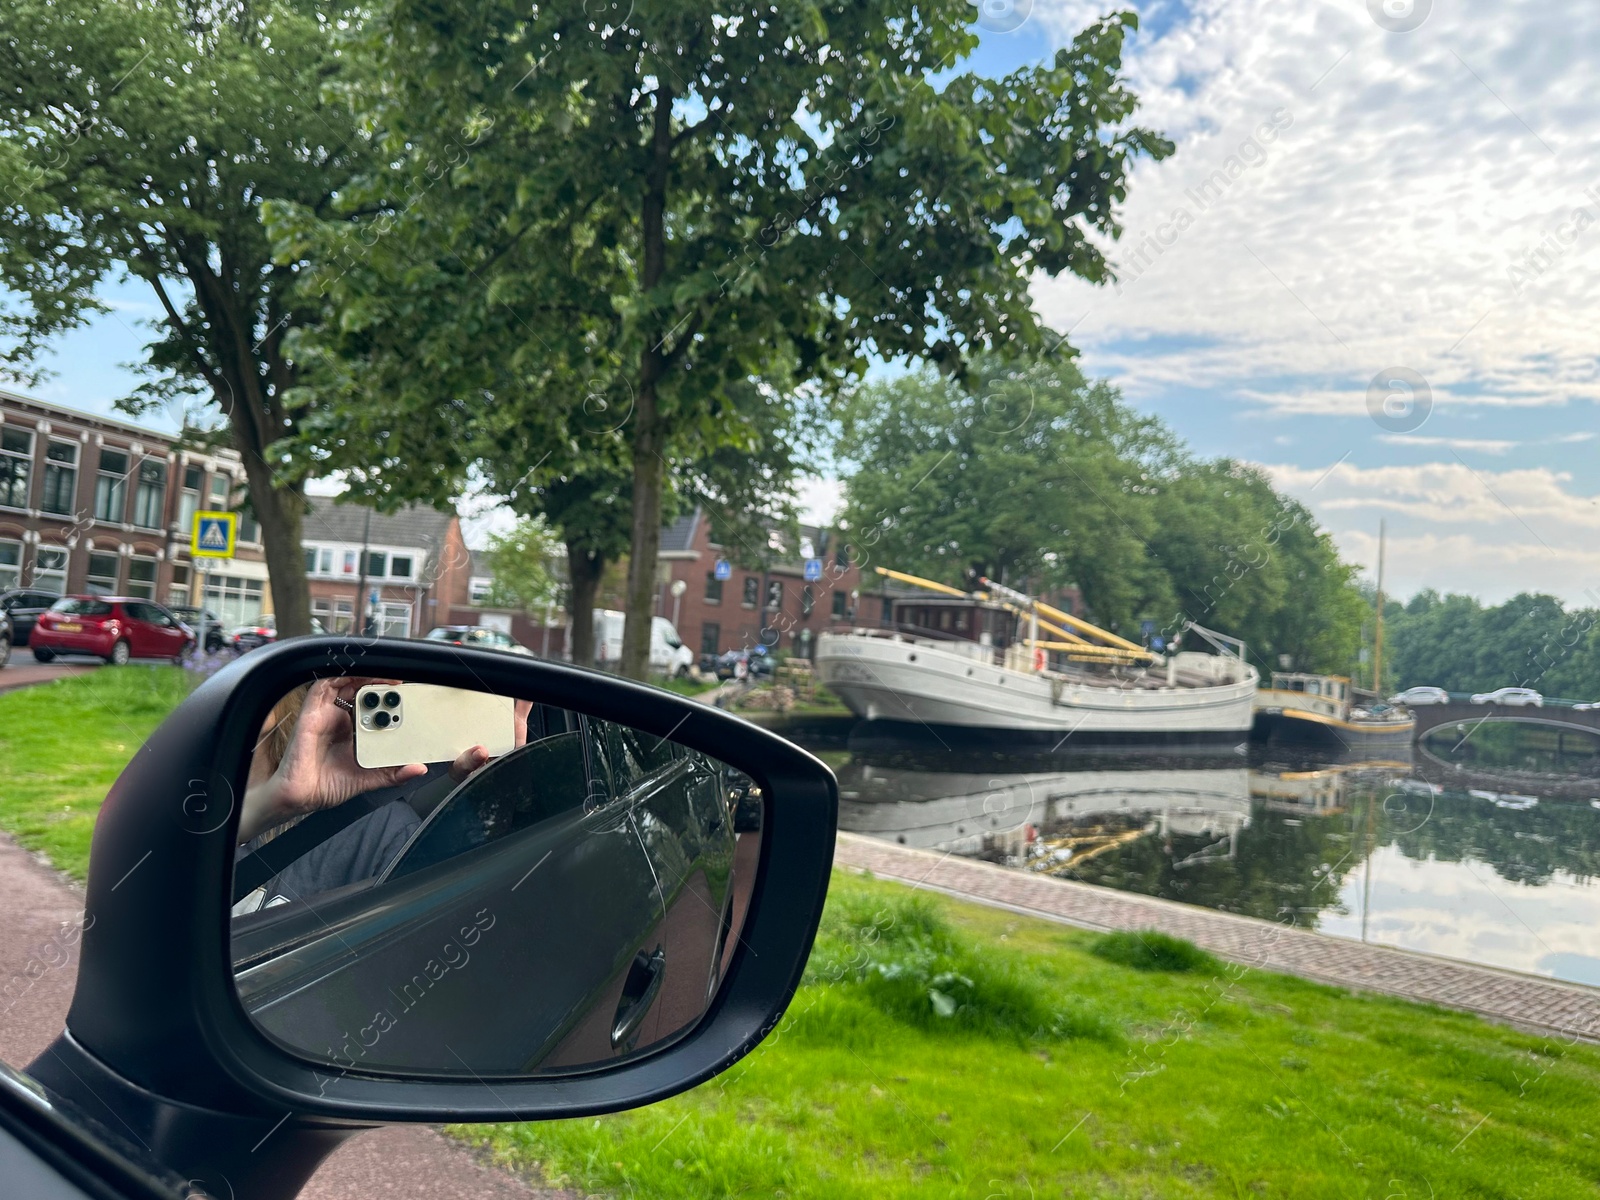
[94,504]
[775,604]
[413,567]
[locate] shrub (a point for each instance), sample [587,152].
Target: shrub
[1148,950]
[904,959]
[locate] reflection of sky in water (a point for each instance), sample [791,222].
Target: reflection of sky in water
[1465,910]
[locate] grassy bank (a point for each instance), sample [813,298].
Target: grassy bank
[63,743]
[940,1049]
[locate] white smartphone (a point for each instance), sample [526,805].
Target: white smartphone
[401,723]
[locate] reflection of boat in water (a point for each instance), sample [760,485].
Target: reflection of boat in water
[1000,660]
[1045,819]
[1318,711]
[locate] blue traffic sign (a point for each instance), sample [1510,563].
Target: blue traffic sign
[213,534]
[723,569]
[813,568]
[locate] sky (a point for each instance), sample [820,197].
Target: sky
[1367,268]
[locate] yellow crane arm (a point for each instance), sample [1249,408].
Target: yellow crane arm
[1085,627]
[918,581]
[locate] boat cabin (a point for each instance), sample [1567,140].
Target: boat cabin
[955,619]
[1329,695]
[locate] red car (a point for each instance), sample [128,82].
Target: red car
[110,627]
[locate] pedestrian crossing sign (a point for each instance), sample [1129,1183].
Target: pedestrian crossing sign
[214,534]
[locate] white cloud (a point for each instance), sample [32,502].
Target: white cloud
[1453,528]
[1382,222]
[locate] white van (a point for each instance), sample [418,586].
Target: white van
[668,654]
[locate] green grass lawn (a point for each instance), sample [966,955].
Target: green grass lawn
[63,743]
[940,1049]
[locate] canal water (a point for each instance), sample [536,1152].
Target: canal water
[1481,853]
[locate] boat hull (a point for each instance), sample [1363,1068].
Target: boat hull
[1295,728]
[897,680]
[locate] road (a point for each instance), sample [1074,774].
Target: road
[38,969]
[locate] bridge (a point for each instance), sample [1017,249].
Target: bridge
[1551,716]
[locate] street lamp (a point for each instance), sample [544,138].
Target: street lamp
[679,587]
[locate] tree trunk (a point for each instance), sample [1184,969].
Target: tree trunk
[648,476]
[584,568]
[649,437]
[280,511]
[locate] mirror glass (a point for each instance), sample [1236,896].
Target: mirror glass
[433,881]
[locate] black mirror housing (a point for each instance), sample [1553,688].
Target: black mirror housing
[157,1022]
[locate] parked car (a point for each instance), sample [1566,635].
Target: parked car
[216,636]
[23,606]
[758,663]
[1417,696]
[262,633]
[1511,697]
[115,628]
[480,636]
[1587,706]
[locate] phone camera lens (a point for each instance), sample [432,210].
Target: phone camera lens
[370,700]
[380,720]
[391,699]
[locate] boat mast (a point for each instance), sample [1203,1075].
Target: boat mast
[1377,637]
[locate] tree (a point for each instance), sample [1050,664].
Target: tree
[656,206]
[143,136]
[520,559]
[1025,473]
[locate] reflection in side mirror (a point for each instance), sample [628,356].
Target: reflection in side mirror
[543,899]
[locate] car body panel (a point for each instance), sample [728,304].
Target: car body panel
[1511,697]
[514,844]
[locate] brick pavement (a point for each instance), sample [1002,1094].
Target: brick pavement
[1526,1001]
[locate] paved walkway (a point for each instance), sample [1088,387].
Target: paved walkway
[1522,1000]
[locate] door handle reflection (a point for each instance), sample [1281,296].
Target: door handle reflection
[639,992]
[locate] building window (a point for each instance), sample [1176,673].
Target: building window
[178,593]
[713,588]
[111,487]
[60,477]
[478,588]
[349,563]
[842,555]
[150,499]
[710,638]
[322,611]
[221,485]
[808,601]
[393,620]
[235,601]
[775,595]
[16,466]
[142,578]
[249,527]
[377,564]
[839,599]
[344,616]
[194,479]
[752,588]
[310,553]
[400,566]
[10,565]
[102,579]
[50,569]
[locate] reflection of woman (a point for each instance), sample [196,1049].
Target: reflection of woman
[305,762]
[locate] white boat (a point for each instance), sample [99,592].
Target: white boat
[983,661]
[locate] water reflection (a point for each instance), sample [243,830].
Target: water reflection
[1426,857]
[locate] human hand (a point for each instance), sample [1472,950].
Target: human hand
[318,769]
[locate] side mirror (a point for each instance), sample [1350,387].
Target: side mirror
[351,882]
